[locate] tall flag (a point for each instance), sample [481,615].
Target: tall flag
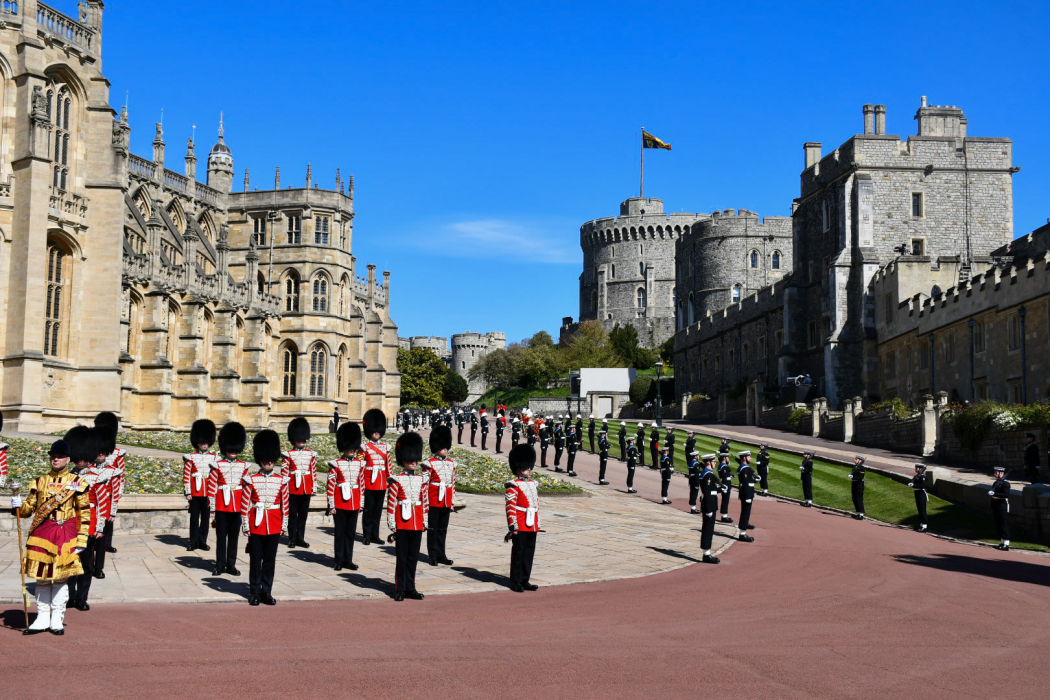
[650,141]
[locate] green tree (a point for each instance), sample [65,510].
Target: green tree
[667,351]
[624,340]
[590,348]
[535,366]
[540,339]
[455,389]
[494,369]
[422,377]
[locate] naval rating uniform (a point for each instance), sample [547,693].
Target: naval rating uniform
[746,491]
[918,483]
[708,505]
[856,477]
[725,476]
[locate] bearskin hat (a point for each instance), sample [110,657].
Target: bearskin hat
[522,457]
[409,448]
[84,443]
[348,437]
[440,438]
[298,430]
[202,432]
[107,424]
[107,419]
[374,421]
[266,447]
[232,438]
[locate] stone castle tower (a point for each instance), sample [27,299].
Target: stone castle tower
[467,349]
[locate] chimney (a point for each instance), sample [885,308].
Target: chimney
[880,120]
[812,149]
[869,119]
[922,102]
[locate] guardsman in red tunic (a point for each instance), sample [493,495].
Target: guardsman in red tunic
[346,492]
[88,450]
[3,456]
[300,466]
[224,497]
[440,474]
[377,473]
[407,504]
[115,469]
[196,467]
[523,517]
[264,516]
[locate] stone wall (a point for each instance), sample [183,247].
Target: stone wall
[776,418]
[999,448]
[882,428]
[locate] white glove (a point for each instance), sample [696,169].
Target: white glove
[78,550]
[16,501]
[849,476]
[802,469]
[911,483]
[990,493]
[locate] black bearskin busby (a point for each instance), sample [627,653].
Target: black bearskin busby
[298,430]
[409,448]
[85,444]
[522,457]
[202,432]
[348,437]
[266,447]
[232,438]
[108,424]
[440,438]
[373,422]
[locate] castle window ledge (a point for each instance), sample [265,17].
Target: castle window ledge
[154,392]
[158,364]
[196,370]
[58,364]
[232,401]
[190,397]
[225,375]
[255,380]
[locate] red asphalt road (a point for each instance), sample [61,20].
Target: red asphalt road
[819,606]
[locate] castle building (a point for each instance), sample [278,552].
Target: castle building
[135,288]
[467,349]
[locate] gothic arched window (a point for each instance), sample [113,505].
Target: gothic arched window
[289,367]
[60,144]
[737,292]
[321,230]
[753,259]
[291,293]
[775,260]
[641,269]
[640,297]
[56,281]
[318,364]
[320,294]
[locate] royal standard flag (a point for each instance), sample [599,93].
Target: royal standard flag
[650,141]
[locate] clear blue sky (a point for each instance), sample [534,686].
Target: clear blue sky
[482,134]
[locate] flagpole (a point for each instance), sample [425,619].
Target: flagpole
[641,164]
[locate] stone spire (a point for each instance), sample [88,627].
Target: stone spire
[158,145]
[191,160]
[277,179]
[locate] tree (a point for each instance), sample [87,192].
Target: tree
[422,377]
[590,348]
[624,340]
[667,352]
[537,365]
[494,369]
[641,391]
[455,389]
[540,339]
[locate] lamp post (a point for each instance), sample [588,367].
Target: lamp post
[659,371]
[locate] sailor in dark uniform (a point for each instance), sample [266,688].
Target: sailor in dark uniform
[1000,493]
[500,420]
[763,466]
[473,426]
[708,505]
[459,426]
[918,483]
[1031,459]
[515,432]
[484,427]
[640,442]
[669,439]
[603,456]
[746,492]
[724,447]
[559,444]
[545,441]
[695,468]
[807,479]
[654,442]
[856,477]
[572,445]
[632,462]
[690,444]
[666,470]
[579,430]
[622,436]
[725,477]
[590,432]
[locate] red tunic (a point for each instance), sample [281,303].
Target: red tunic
[116,469]
[346,483]
[196,468]
[377,465]
[407,503]
[523,505]
[300,466]
[441,481]
[100,496]
[264,503]
[225,484]
[3,462]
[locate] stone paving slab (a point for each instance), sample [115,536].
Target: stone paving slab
[609,535]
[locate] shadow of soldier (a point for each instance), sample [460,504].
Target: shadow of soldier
[1004,569]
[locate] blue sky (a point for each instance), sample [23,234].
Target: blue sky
[482,135]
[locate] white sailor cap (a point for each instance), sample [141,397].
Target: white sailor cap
[559,416]
[724,439]
[920,465]
[665,448]
[860,457]
[998,469]
[578,416]
[640,424]
[654,425]
[516,420]
[592,415]
[630,439]
[763,444]
[723,454]
[743,453]
[709,457]
[602,431]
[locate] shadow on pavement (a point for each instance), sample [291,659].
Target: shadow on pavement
[195,562]
[1005,569]
[483,576]
[373,584]
[225,585]
[311,557]
[674,553]
[178,540]
[15,619]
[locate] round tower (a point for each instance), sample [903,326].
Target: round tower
[220,165]
[467,349]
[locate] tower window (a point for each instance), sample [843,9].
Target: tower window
[918,246]
[318,365]
[295,229]
[825,215]
[737,293]
[288,374]
[320,294]
[641,269]
[753,259]
[53,306]
[640,298]
[775,260]
[612,271]
[917,209]
[321,230]
[291,294]
[60,148]
[259,231]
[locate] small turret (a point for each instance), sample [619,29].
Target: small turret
[220,165]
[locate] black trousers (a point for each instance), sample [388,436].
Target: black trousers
[514,440]
[694,492]
[262,557]
[543,456]
[406,551]
[345,528]
[591,438]
[227,531]
[670,453]
[200,509]
[745,514]
[437,532]
[499,439]
[655,453]
[80,586]
[106,540]
[521,555]
[630,475]
[473,435]
[603,462]
[459,434]
[807,486]
[1032,472]
[484,437]
[725,501]
[571,461]
[763,477]
[857,491]
[557,455]
[707,531]
[373,512]
[665,483]
[623,451]
[921,498]
[298,509]
[1001,515]
[641,454]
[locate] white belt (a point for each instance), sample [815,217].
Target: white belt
[406,509]
[259,508]
[226,494]
[298,478]
[198,480]
[347,490]
[530,515]
[441,491]
[375,471]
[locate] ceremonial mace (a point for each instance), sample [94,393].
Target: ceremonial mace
[16,490]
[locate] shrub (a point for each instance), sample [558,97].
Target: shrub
[971,424]
[898,408]
[797,416]
[641,390]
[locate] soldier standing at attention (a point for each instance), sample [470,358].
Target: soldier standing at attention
[515,432]
[501,421]
[459,426]
[196,467]
[622,437]
[695,470]
[1031,459]
[669,439]
[590,432]
[439,473]
[579,430]
[641,446]
[573,444]
[88,451]
[377,472]
[118,473]
[708,506]
[603,456]
[300,466]
[807,479]
[407,504]
[632,459]
[763,466]
[532,431]
[918,482]
[725,476]
[746,492]
[1000,493]
[345,491]
[224,497]
[473,426]
[654,442]
[523,517]
[484,427]
[666,470]
[559,444]
[264,516]
[690,445]
[545,440]
[856,477]
[724,447]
